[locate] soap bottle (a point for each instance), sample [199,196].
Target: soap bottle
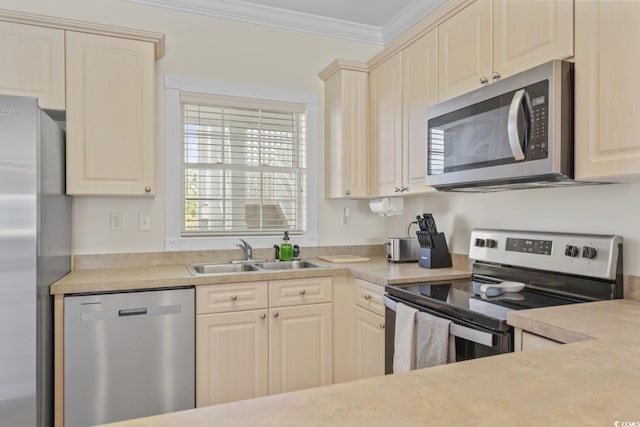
[286,250]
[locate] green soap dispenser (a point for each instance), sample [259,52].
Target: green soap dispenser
[286,249]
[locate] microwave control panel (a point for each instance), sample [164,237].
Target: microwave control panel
[538,147]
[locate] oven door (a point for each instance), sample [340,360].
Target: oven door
[472,341]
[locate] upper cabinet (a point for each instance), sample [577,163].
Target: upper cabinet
[103,77]
[33,63]
[419,91]
[346,107]
[110,108]
[487,41]
[607,146]
[385,90]
[401,90]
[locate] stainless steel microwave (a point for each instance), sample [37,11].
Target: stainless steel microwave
[515,133]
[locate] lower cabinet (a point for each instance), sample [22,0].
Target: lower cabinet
[284,343]
[368,344]
[231,357]
[300,350]
[368,330]
[524,340]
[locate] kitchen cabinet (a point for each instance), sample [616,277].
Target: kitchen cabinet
[419,91]
[524,341]
[401,89]
[110,110]
[491,40]
[33,63]
[385,91]
[606,86]
[232,342]
[368,335]
[260,338]
[346,102]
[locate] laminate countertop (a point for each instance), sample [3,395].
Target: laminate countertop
[594,380]
[377,271]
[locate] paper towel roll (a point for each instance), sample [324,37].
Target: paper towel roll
[387,206]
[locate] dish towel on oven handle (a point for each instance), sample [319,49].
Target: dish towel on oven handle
[404,341]
[434,343]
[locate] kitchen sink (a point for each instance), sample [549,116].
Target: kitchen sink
[198,269]
[287,265]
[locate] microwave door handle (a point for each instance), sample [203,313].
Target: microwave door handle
[513,132]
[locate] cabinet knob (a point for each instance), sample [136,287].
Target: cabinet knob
[347,192]
[381,325]
[276,314]
[483,80]
[234,297]
[495,75]
[147,189]
[367,297]
[402,189]
[302,292]
[396,189]
[263,316]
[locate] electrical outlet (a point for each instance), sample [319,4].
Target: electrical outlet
[115,221]
[144,222]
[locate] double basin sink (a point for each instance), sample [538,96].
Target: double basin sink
[202,269]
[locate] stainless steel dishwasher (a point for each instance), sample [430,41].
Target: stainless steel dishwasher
[128,355]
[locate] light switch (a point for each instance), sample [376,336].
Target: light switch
[144,222]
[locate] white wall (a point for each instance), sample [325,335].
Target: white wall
[209,48]
[600,209]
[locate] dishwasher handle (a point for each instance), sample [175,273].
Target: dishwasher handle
[132,312]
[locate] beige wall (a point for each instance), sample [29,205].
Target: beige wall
[215,49]
[599,209]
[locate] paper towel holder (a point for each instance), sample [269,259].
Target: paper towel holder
[387,206]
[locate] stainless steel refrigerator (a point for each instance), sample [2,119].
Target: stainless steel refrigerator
[35,246]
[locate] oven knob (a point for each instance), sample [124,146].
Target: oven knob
[589,253]
[490,243]
[480,243]
[571,251]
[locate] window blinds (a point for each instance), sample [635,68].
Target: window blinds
[243,167]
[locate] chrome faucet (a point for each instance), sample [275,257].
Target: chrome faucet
[246,248]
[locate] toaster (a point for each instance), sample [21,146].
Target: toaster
[402,249]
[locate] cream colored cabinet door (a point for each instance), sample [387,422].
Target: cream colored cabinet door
[368,344]
[346,131]
[33,63]
[464,50]
[527,33]
[300,347]
[607,110]
[385,90]
[419,91]
[110,108]
[232,352]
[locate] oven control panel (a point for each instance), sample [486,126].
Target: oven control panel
[581,254]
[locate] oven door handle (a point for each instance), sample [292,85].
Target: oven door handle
[469,334]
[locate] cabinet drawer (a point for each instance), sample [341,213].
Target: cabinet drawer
[369,296]
[299,291]
[231,297]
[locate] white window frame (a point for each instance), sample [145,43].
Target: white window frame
[174,241]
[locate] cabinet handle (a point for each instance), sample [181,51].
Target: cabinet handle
[263,316]
[483,80]
[396,189]
[367,297]
[234,297]
[302,292]
[276,314]
[402,189]
[147,189]
[495,75]
[381,325]
[347,192]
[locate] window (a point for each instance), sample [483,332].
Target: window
[243,168]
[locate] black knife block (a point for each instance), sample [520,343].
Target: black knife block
[436,256]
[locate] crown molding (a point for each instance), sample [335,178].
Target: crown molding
[274,17]
[342,64]
[408,17]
